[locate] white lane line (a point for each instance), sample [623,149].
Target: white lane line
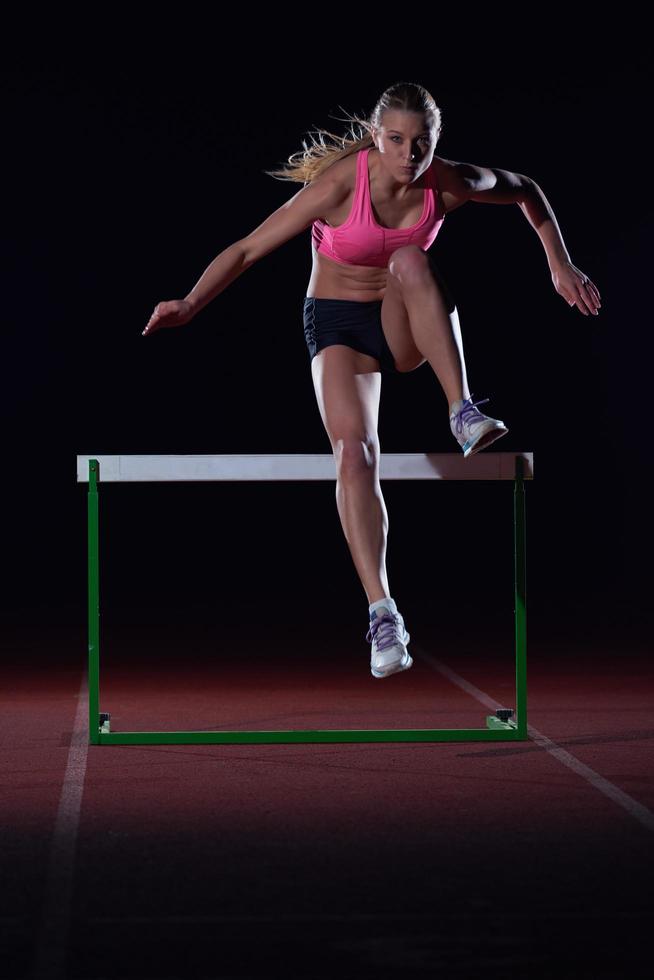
[52,942]
[628,803]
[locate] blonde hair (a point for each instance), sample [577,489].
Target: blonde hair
[304,167]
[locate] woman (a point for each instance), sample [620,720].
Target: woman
[376,303]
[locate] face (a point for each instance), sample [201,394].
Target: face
[405,139]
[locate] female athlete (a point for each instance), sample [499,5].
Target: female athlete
[376,303]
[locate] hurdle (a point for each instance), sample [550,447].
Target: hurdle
[507,724]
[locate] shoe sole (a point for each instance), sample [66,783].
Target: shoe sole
[484,440]
[403,664]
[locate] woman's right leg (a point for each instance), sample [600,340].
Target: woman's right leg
[348,386]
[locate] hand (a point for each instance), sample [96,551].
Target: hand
[169,313]
[571,283]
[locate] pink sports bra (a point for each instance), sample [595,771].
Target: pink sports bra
[361,240]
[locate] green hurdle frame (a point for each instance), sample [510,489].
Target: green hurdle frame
[502,726]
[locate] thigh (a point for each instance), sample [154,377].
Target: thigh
[395,319]
[348,400]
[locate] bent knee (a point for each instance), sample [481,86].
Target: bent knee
[410,263]
[355,454]
[403,367]
[408,260]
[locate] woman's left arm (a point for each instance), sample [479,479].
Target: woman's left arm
[490,185]
[569,281]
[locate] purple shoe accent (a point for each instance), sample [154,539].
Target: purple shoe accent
[385,631]
[467,413]
[472,429]
[389,638]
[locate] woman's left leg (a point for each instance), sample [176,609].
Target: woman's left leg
[420,321]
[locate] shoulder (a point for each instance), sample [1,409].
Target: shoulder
[461,182]
[334,187]
[455,180]
[453,173]
[341,173]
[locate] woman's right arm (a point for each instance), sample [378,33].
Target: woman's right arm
[296,215]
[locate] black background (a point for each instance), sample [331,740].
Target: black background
[135,158]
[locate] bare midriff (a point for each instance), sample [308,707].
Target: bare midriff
[335,280]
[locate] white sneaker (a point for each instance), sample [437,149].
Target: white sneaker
[389,638]
[471,428]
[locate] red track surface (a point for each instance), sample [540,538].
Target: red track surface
[319,861]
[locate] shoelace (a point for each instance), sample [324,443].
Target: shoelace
[385,630]
[468,413]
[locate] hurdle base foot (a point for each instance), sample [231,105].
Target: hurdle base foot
[497,724]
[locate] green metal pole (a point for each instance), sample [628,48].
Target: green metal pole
[520,597]
[94,605]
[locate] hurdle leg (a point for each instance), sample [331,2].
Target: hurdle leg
[520,597]
[94,604]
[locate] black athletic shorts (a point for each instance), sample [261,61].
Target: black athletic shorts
[354,323]
[343,321]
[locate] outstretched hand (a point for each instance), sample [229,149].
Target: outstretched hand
[169,313]
[575,287]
